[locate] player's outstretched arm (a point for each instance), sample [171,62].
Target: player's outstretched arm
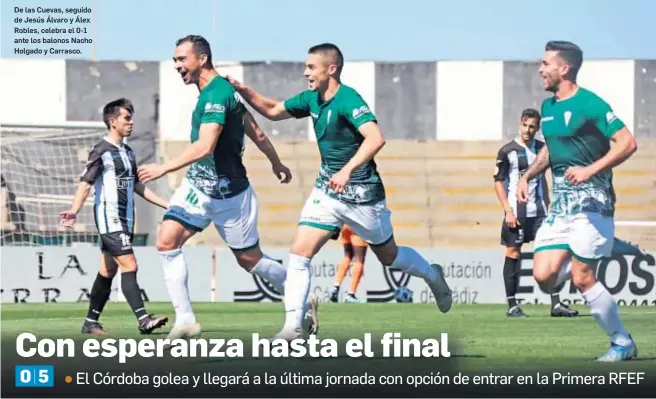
[269,108]
[147,194]
[257,136]
[207,138]
[624,145]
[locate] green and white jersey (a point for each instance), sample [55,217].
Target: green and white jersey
[577,131]
[221,174]
[336,124]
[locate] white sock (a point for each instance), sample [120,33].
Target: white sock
[175,275]
[271,271]
[564,273]
[411,262]
[297,288]
[604,310]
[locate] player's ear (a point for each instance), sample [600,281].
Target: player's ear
[203,60]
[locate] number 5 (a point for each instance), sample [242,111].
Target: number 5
[43,376]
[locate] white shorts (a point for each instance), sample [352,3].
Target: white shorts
[235,218]
[588,236]
[372,223]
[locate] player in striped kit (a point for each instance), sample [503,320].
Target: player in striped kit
[522,220]
[112,171]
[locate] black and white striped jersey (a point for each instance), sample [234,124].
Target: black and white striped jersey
[513,160]
[112,170]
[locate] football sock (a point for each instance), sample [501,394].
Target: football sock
[271,271]
[411,262]
[555,296]
[356,276]
[132,294]
[175,276]
[100,292]
[297,289]
[604,309]
[510,279]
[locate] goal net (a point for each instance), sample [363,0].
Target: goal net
[41,166]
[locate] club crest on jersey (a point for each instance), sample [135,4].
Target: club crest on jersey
[568,116]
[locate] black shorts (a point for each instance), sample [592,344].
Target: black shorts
[117,243]
[523,234]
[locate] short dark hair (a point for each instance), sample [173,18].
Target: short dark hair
[568,51]
[200,46]
[530,113]
[113,109]
[333,50]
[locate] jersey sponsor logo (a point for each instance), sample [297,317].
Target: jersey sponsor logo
[214,108]
[358,112]
[546,119]
[610,117]
[124,183]
[395,279]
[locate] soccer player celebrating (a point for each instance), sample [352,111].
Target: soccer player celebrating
[355,250]
[112,171]
[578,128]
[216,188]
[348,189]
[522,220]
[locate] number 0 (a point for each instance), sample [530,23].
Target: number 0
[25,376]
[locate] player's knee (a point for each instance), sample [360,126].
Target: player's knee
[542,274]
[513,252]
[248,259]
[386,253]
[583,278]
[167,240]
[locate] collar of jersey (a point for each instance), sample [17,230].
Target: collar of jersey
[524,145]
[325,103]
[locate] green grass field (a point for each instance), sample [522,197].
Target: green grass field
[481,333]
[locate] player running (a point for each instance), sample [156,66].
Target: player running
[355,251]
[112,171]
[578,128]
[216,188]
[348,189]
[521,221]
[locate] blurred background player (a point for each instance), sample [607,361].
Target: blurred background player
[112,170]
[578,128]
[355,250]
[522,220]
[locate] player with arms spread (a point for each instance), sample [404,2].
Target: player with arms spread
[578,128]
[216,188]
[348,189]
[112,171]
